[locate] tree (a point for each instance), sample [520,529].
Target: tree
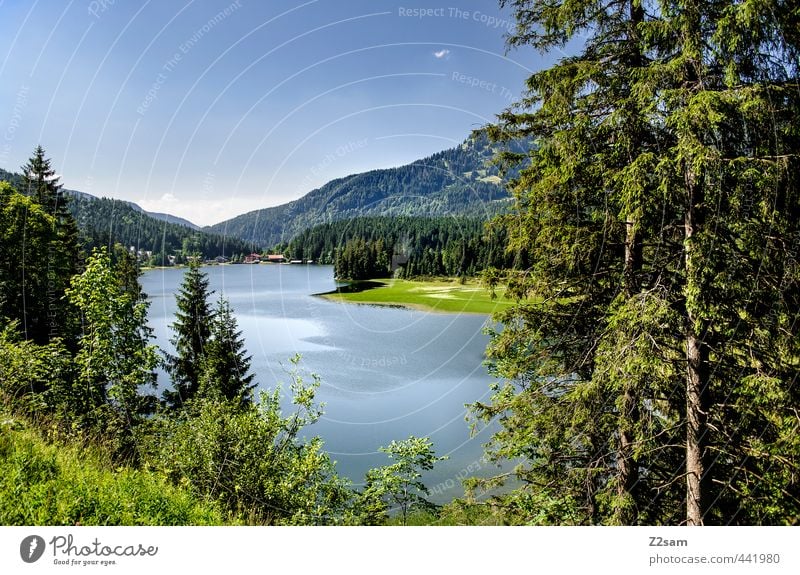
[26,241]
[63,259]
[41,182]
[732,106]
[115,360]
[399,484]
[252,459]
[653,210]
[584,202]
[192,331]
[226,365]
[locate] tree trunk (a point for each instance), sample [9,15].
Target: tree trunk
[695,430]
[627,466]
[696,364]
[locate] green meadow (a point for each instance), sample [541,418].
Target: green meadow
[446,296]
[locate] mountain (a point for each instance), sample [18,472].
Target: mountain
[169,218]
[455,181]
[16,181]
[102,221]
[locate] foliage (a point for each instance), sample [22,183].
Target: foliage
[27,241]
[360,260]
[34,379]
[400,483]
[226,365]
[192,331]
[660,209]
[252,461]
[115,359]
[409,246]
[70,484]
[63,258]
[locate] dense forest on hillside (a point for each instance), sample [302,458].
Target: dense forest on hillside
[412,246]
[104,222]
[458,181]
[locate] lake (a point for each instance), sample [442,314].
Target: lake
[386,372]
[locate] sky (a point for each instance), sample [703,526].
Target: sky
[207,110]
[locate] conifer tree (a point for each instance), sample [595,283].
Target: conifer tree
[64,256]
[191,334]
[660,309]
[26,241]
[226,365]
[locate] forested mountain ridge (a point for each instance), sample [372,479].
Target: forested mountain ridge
[459,181]
[104,221]
[16,180]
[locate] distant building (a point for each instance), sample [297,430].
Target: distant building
[252,259]
[276,258]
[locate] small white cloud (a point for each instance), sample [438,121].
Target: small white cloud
[169,198]
[441,54]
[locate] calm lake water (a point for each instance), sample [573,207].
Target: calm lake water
[386,372]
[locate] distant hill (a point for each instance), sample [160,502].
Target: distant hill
[104,220]
[455,181]
[169,218]
[16,181]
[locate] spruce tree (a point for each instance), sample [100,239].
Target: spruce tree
[64,258]
[730,99]
[575,350]
[652,357]
[226,365]
[192,331]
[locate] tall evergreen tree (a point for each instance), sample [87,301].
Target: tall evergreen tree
[64,256]
[192,331]
[41,182]
[226,365]
[588,309]
[729,95]
[26,243]
[662,284]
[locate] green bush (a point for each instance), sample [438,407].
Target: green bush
[250,460]
[48,484]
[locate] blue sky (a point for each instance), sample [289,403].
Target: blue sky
[210,109]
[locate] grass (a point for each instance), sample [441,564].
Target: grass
[447,296]
[48,484]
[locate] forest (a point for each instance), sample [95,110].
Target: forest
[375,247]
[105,221]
